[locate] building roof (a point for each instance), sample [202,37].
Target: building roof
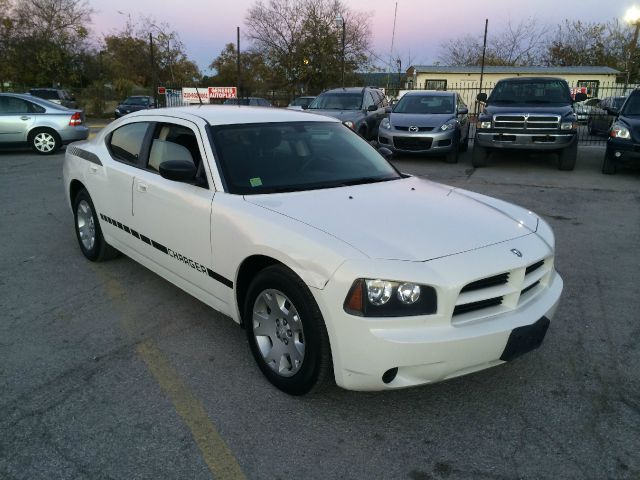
[577,70]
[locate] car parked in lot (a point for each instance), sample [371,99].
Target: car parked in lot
[134,103]
[335,263]
[528,113]
[583,109]
[623,143]
[427,122]
[359,108]
[38,123]
[301,103]
[55,95]
[602,115]
[248,101]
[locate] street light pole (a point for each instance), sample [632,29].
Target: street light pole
[342,22]
[153,70]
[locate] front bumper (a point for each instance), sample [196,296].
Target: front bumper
[525,141]
[434,142]
[621,150]
[431,348]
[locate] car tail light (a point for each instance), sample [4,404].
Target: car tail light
[76,119]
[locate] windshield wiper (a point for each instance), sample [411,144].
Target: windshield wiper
[363,180]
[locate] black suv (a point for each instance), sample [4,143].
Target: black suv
[55,95]
[359,108]
[624,134]
[528,113]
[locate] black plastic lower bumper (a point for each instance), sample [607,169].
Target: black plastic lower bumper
[524,339]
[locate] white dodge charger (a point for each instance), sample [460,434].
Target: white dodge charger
[334,262]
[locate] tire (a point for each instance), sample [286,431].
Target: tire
[452,155]
[44,141]
[291,330]
[479,156]
[88,232]
[567,157]
[464,146]
[609,165]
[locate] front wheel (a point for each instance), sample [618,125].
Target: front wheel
[479,156]
[567,157]
[286,331]
[92,243]
[452,155]
[609,166]
[44,141]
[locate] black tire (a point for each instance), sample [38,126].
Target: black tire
[464,145]
[567,157]
[44,141]
[479,156]
[452,155]
[609,164]
[316,365]
[98,250]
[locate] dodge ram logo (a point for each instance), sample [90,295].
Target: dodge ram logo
[413,129]
[516,252]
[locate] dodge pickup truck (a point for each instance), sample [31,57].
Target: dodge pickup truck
[528,113]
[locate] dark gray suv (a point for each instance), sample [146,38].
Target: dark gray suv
[359,108]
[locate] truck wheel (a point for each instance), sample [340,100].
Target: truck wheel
[568,156]
[609,165]
[479,156]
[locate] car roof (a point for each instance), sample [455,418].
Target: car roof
[237,114]
[346,90]
[530,79]
[37,100]
[432,93]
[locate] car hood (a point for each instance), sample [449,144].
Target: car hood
[536,109]
[409,219]
[342,115]
[419,120]
[131,108]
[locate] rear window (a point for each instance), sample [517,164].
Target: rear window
[531,91]
[46,94]
[337,101]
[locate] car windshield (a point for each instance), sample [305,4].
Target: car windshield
[294,156]
[47,94]
[237,101]
[337,101]
[632,107]
[531,91]
[302,101]
[618,101]
[427,104]
[136,101]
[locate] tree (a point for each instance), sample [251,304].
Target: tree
[520,44]
[302,44]
[256,76]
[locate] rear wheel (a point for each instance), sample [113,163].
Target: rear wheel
[286,331]
[92,243]
[567,157]
[44,141]
[479,156]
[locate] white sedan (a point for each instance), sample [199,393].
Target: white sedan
[336,264]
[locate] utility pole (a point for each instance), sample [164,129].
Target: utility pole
[239,80]
[344,31]
[484,51]
[153,70]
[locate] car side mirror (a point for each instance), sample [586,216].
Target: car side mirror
[372,108]
[387,110]
[304,107]
[463,111]
[612,110]
[178,170]
[580,97]
[386,153]
[481,97]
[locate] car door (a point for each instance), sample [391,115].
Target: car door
[111,189]
[173,218]
[17,117]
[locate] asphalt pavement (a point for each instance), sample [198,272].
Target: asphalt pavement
[107,371]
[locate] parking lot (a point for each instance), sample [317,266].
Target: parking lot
[108,371]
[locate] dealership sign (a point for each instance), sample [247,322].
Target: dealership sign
[202,95]
[223,92]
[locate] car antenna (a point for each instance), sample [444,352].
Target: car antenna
[199,97]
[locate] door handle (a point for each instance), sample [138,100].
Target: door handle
[142,187]
[25,117]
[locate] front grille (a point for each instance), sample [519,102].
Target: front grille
[479,305]
[526,122]
[420,129]
[534,267]
[486,282]
[412,143]
[533,285]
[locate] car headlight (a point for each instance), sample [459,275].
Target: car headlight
[387,298]
[620,131]
[484,124]
[349,124]
[568,126]
[386,124]
[117,110]
[449,126]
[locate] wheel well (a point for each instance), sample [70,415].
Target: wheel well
[248,270]
[43,129]
[74,188]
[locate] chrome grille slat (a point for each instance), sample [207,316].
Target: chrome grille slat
[526,122]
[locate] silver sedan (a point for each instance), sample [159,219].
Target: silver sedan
[38,123]
[427,122]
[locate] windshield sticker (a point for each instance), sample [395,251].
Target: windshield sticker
[255,182]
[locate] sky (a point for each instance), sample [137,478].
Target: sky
[205,26]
